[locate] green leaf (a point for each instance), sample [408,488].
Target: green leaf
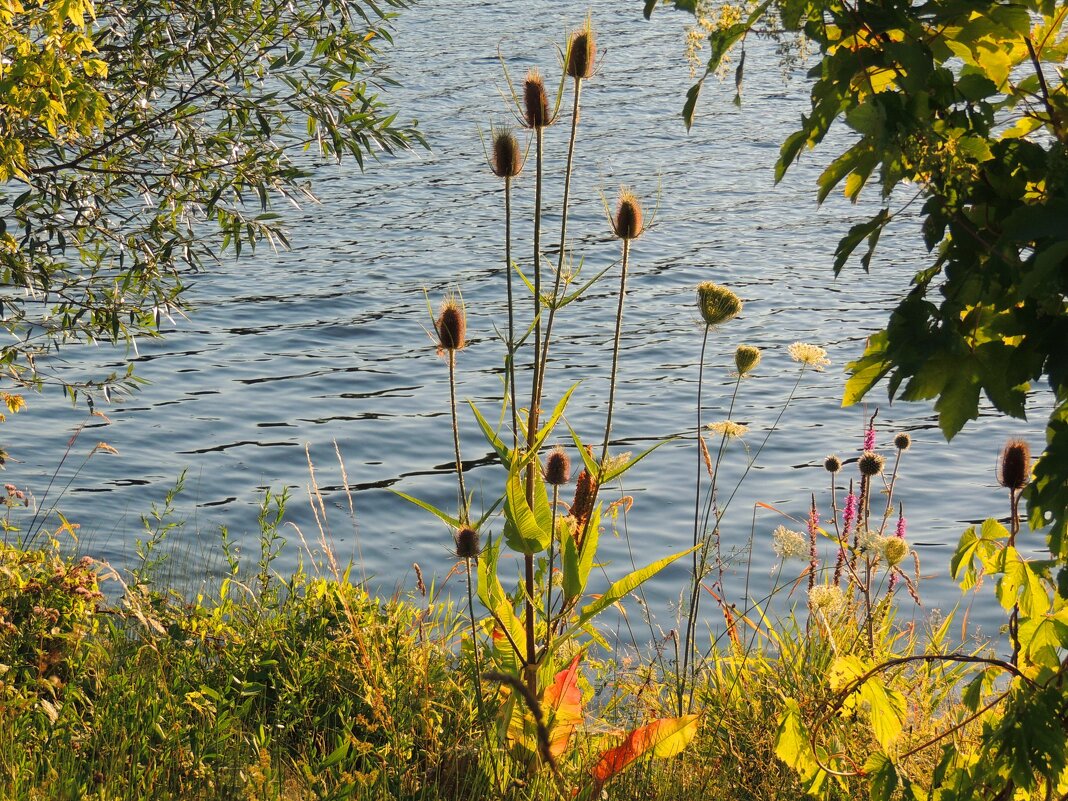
[611,475]
[449,520]
[503,451]
[882,776]
[871,229]
[522,531]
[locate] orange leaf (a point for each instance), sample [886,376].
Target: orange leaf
[661,738]
[562,705]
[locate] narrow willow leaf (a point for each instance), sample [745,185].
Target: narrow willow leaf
[452,521]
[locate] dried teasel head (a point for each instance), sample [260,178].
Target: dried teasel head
[557,467]
[581,53]
[467,543]
[716,303]
[535,100]
[627,224]
[871,464]
[832,464]
[506,158]
[1015,469]
[903,441]
[451,326]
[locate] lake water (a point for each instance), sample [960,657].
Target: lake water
[328,343]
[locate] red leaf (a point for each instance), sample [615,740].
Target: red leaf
[661,738]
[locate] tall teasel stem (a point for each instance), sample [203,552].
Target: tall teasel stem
[615,358]
[451,327]
[579,66]
[1014,473]
[536,104]
[506,161]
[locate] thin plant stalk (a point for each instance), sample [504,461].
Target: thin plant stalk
[511,308]
[474,642]
[563,236]
[531,669]
[456,437]
[615,366]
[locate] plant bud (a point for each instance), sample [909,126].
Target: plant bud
[1015,465]
[581,53]
[557,467]
[871,464]
[628,220]
[746,358]
[466,543]
[717,303]
[451,326]
[535,101]
[507,158]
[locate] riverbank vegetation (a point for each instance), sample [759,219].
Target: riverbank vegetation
[119,684]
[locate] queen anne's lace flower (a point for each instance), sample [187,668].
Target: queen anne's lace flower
[789,544]
[828,599]
[729,428]
[810,355]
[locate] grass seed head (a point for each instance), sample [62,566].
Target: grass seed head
[1015,470]
[717,303]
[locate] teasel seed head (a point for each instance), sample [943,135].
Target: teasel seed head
[746,358]
[902,441]
[627,224]
[451,326]
[506,160]
[557,467]
[871,464]
[581,53]
[832,464]
[535,100]
[717,303]
[466,543]
[1015,469]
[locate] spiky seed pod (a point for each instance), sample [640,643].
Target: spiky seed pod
[507,158]
[871,464]
[902,441]
[557,467]
[451,326]
[1015,469]
[582,505]
[832,464]
[581,53]
[627,224]
[746,358]
[535,100]
[717,303]
[466,543]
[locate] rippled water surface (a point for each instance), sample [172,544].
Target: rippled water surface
[328,343]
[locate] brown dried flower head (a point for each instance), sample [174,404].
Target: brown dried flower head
[451,326]
[871,464]
[903,441]
[557,467]
[832,464]
[1015,469]
[535,100]
[466,543]
[506,160]
[581,53]
[627,224]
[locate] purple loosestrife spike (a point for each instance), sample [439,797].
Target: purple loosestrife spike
[813,530]
[869,438]
[849,514]
[899,532]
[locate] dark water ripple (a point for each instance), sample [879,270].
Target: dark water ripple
[328,343]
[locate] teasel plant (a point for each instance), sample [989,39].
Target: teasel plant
[506,160]
[1014,473]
